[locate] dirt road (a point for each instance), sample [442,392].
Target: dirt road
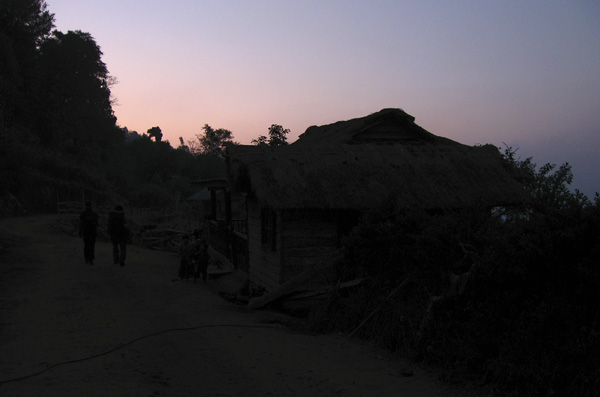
[100,329]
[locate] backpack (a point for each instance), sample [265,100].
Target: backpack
[116,224]
[89,222]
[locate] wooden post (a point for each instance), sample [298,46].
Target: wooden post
[213,204]
[228,207]
[229,228]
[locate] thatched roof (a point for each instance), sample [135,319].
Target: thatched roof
[358,163]
[385,126]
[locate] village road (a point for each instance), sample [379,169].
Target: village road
[99,329]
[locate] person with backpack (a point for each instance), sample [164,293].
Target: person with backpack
[88,223]
[201,256]
[119,234]
[186,253]
[203,261]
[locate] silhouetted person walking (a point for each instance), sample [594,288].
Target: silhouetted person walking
[88,222]
[118,232]
[186,251]
[201,255]
[203,260]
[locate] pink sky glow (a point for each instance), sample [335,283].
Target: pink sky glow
[522,73]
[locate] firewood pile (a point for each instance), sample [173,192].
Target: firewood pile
[164,239]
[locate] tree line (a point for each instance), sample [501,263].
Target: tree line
[58,130]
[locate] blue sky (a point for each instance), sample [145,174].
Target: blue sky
[524,73]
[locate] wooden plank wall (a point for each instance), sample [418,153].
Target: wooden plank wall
[264,268]
[309,237]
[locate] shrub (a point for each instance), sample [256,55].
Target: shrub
[528,321]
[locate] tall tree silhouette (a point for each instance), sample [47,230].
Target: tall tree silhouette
[24,24]
[75,93]
[212,141]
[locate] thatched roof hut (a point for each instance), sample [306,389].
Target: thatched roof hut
[357,164]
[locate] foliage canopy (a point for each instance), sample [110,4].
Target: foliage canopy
[277,136]
[213,141]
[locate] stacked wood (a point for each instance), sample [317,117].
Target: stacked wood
[164,239]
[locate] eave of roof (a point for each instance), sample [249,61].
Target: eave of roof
[360,176]
[341,166]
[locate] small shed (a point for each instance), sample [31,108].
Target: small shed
[304,197]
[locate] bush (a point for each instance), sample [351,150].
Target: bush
[528,321]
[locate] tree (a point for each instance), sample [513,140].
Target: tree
[182,145]
[277,136]
[193,146]
[261,140]
[548,186]
[24,24]
[155,133]
[75,109]
[212,141]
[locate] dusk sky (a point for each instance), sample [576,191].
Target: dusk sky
[524,73]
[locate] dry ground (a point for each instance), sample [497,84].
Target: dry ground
[55,309]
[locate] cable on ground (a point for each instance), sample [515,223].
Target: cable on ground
[129,343]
